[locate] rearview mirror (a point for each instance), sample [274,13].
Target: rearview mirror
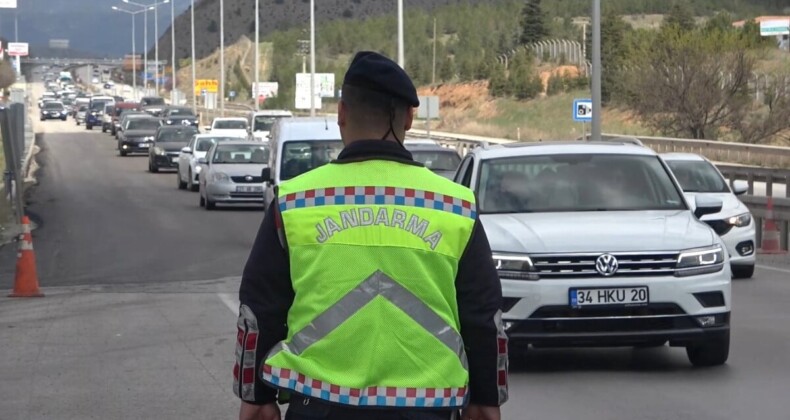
[706,205]
[740,187]
[266,174]
[186,150]
[202,161]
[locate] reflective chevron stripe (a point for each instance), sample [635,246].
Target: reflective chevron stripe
[378,284]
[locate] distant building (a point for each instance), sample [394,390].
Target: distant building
[781,40]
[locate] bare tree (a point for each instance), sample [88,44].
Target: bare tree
[7,74]
[765,121]
[690,83]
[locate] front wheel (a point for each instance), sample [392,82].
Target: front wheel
[181,184]
[103,129]
[191,183]
[152,168]
[122,152]
[712,352]
[88,127]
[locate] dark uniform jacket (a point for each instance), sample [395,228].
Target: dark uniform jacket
[266,291]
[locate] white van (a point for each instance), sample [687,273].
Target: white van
[298,145]
[261,122]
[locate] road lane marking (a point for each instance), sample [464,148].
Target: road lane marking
[231,301]
[767,267]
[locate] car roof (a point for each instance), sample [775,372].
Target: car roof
[126,105]
[175,127]
[428,147]
[210,135]
[682,156]
[242,143]
[230,119]
[308,128]
[561,147]
[273,113]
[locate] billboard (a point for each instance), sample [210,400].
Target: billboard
[265,89]
[59,44]
[209,85]
[17,49]
[775,27]
[324,84]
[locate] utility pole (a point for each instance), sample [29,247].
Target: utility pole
[401,59]
[222,56]
[194,94]
[596,71]
[134,60]
[433,70]
[145,48]
[173,89]
[257,54]
[312,58]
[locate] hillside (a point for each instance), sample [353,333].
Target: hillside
[275,15]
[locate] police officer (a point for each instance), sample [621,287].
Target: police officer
[370,291]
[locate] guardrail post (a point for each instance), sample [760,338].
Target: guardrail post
[769,186]
[787,186]
[783,235]
[750,181]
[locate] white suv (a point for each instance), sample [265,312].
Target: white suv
[596,245]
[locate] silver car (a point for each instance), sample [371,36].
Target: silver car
[231,173]
[80,116]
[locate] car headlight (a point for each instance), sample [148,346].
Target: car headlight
[198,169]
[220,177]
[700,261]
[514,266]
[169,122]
[158,151]
[740,220]
[148,138]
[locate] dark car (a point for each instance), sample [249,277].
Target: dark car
[167,146]
[53,110]
[119,109]
[138,135]
[440,160]
[152,105]
[179,115]
[96,112]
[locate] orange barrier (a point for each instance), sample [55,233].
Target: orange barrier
[771,237]
[26,281]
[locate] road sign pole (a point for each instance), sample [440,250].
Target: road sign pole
[584,131]
[428,120]
[596,73]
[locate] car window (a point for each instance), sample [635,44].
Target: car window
[153,101]
[175,136]
[437,160]
[180,112]
[576,182]
[459,174]
[53,105]
[232,154]
[143,124]
[467,176]
[302,156]
[231,125]
[264,123]
[698,176]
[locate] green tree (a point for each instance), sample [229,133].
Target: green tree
[497,84]
[680,15]
[533,23]
[721,22]
[525,84]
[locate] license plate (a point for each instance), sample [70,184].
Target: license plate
[145,145]
[174,160]
[249,189]
[629,296]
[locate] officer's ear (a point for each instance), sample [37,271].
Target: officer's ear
[342,113]
[407,122]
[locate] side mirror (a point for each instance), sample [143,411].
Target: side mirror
[186,150]
[202,161]
[706,206]
[269,136]
[740,187]
[266,174]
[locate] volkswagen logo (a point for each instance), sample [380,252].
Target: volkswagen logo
[248,178]
[185,122]
[606,265]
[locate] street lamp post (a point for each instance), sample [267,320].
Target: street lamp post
[134,46]
[173,52]
[222,57]
[312,58]
[596,70]
[401,59]
[155,7]
[255,92]
[194,94]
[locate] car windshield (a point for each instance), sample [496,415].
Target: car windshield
[53,105]
[181,135]
[698,176]
[263,123]
[180,112]
[437,160]
[205,143]
[98,105]
[302,156]
[230,125]
[143,124]
[83,108]
[153,101]
[576,182]
[237,153]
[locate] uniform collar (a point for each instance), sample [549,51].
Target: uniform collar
[374,149]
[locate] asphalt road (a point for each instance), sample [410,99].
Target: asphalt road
[142,262]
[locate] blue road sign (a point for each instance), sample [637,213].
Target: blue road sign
[582,110]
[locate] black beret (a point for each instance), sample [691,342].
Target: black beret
[373,71]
